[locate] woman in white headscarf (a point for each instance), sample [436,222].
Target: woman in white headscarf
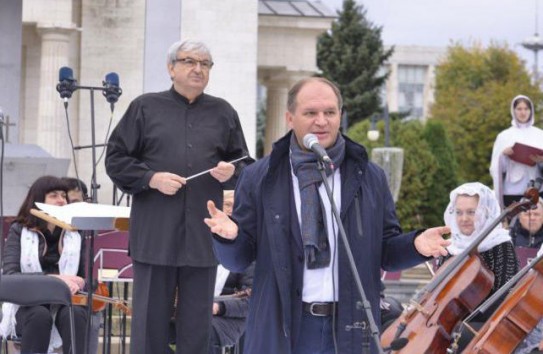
[472,208]
[510,177]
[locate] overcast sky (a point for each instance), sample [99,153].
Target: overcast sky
[438,22]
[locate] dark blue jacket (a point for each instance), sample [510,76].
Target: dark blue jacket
[265,211]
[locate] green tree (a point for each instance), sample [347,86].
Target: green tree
[474,89]
[419,167]
[444,179]
[352,55]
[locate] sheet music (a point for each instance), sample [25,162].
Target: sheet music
[82,210]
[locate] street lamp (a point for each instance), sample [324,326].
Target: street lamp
[373,132]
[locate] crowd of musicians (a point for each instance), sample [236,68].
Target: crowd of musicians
[286,280]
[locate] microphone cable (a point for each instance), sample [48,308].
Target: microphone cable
[334,265]
[105,139]
[71,141]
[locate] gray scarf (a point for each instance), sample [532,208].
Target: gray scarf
[314,227]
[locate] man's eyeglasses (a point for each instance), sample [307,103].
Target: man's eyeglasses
[191,63]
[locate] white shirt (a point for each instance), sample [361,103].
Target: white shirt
[321,285]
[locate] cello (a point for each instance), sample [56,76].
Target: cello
[460,285]
[517,315]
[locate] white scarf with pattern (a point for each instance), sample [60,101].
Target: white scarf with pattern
[30,263]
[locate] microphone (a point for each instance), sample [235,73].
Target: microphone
[396,344]
[311,142]
[67,84]
[112,91]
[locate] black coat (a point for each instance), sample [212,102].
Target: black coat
[522,238]
[163,132]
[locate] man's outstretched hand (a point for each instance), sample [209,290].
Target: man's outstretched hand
[219,223]
[431,242]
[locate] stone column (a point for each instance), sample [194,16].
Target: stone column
[52,130]
[276,103]
[278,82]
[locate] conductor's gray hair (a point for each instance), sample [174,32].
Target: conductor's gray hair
[187,46]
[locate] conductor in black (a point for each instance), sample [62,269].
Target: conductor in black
[162,139]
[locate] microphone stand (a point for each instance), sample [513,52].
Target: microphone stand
[365,304]
[94,199]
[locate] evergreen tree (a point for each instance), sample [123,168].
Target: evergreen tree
[419,168]
[352,55]
[445,179]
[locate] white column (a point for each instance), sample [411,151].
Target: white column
[278,82]
[52,130]
[276,106]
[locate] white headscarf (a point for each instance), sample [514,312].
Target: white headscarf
[487,211]
[525,133]
[514,120]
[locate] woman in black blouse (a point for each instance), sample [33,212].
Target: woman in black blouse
[37,247]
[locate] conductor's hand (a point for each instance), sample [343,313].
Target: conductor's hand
[219,223]
[431,242]
[167,183]
[223,171]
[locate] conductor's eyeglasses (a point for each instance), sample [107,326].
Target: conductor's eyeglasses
[191,63]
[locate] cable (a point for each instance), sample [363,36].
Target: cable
[334,319]
[106,139]
[71,142]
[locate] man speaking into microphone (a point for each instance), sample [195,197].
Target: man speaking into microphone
[304,295]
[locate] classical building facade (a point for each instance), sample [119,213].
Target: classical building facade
[268,42]
[410,85]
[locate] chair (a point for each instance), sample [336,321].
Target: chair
[21,289]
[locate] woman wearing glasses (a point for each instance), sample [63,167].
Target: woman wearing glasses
[472,208]
[36,246]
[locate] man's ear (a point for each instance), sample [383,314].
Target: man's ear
[170,71]
[288,119]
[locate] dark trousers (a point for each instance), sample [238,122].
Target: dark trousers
[315,335]
[218,337]
[34,324]
[153,303]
